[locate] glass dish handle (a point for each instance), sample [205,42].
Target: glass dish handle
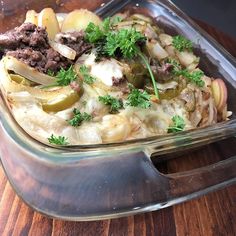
[190,184]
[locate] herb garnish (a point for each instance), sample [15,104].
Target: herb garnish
[194,77]
[88,79]
[65,77]
[138,98]
[118,43]
[60,140]
[114,103]
[181,43]
[178,124]
[79,118]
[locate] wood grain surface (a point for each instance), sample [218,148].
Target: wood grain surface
[213,214]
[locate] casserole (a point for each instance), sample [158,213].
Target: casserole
[65,182]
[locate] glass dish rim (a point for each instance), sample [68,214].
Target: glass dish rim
[135,143]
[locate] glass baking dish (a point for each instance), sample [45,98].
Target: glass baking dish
[93,182]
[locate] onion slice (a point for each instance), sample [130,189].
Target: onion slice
[26,71]
[64,50]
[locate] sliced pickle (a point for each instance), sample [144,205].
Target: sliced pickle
[20,80]
[62,101]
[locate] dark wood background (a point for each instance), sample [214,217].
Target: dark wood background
[213,214]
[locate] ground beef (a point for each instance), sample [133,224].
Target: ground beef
[26,35]
[29,44]
[74,40]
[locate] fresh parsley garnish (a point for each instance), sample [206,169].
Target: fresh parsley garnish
[79,118]
[194,77]
[176,65]
[60,140]
[125,42]
[182,44]
[88,79]
[138,98]
[178,124]
[65,77]
[115,20]
[114,103]
[51,73]
[118,43]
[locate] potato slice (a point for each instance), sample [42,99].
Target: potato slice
[78,20]
[47,18]
[31,17]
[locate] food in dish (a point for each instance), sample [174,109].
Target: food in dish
[72,79]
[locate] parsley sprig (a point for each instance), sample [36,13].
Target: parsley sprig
[194,77]
[118,43]
[60,140]
[79,117]
[138,98]
[178,124]
[182,44]
[63,77]
[88,79]
[114,103]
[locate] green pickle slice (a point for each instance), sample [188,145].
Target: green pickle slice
[62,101]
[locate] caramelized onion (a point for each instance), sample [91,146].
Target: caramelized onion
[64,50]
[26,71]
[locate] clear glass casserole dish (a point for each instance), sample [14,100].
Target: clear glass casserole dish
[112,180]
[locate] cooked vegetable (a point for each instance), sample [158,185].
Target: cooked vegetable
[47,18]
[178,124]
[79,117]
[63,50]
[219,92]
[114,103]
[62,100]
[156,50]
[31,17]
[182,44]
[26,71]
[87,78]
[60,140]
[20,80]
[136,74]
[78,20]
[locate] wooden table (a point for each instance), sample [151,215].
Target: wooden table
[213,214]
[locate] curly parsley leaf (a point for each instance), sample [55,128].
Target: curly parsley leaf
[178,124]
[79,118]
[182,44]
[124,41]
[88,79]
[93,33]
[114,103]
[194,77]
[60,140]
[138,98]
[65,77]
[118,43]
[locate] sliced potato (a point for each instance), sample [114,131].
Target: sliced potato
[47,18]
[31,17]
[78,20]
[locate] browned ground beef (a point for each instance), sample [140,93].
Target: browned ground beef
[29,44]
